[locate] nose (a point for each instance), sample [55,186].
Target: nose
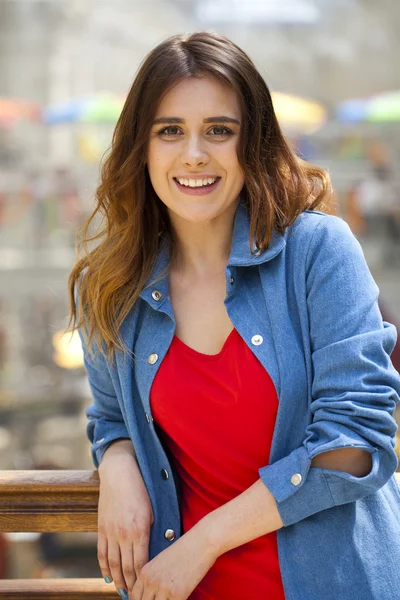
[194,153]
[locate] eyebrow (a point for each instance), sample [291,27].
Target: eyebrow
[208,120]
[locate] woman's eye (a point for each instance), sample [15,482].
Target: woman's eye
[166,129]
[172,131]
[221,130]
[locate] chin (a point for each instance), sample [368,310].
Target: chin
[196,213]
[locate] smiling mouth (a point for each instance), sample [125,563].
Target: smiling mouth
[196,187]
[199,190]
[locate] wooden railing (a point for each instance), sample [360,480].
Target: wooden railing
[52,501]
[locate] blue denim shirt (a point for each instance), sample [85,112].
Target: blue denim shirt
[312,299]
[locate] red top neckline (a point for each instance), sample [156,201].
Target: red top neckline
[202,354]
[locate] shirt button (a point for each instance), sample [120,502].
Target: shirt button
[156,295]
[153,358]
[99,441]
[232,280]
[164,474]
[296,479]
[257,340]
[170,535]
[148,418]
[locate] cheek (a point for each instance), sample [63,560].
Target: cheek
[230,158]
[155,167]
[158,163]
[235,168]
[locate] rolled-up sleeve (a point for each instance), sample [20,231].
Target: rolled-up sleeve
[355,387]
[105,419]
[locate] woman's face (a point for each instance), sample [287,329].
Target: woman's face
[193,141]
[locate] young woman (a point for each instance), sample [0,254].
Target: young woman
[243,394]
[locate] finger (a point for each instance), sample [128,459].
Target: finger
[147,595]
[114,562]
[141,551]
[102,557]
[137,592]
[128,569]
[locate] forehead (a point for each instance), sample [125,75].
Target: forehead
[205,96]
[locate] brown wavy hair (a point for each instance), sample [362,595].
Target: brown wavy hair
[278,187]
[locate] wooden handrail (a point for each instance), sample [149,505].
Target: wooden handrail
[52,501]
[57,589]
[49,501]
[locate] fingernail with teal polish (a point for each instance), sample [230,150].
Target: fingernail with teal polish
[107,579]
[123,594]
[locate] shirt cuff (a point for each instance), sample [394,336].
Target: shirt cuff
[301,490]
[102,434]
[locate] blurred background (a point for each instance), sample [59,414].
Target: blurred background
[65,69]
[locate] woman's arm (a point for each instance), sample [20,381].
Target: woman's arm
[105,420]
[118,447]
[255,513]
[354,388]
[347,452]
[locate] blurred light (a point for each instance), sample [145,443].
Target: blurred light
[258,11]
[68,350]
[90,147]
[305,116]
[23,536]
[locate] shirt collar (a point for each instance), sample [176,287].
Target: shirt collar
[240,256]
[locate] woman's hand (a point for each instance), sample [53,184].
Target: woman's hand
[125,517]
[175,572]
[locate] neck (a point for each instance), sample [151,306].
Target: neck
[202,249]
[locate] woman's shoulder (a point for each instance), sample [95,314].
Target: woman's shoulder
[316,228]
[318,238]
[309,220]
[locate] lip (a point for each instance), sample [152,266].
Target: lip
[200,191]
[196,176]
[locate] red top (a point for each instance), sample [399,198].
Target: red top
[216,415]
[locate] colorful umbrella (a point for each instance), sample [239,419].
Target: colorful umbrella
[380,108]
[99,108]
[384,107]
[13,110]
[352,111]
[103,109]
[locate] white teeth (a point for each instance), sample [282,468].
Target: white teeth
[197,182]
